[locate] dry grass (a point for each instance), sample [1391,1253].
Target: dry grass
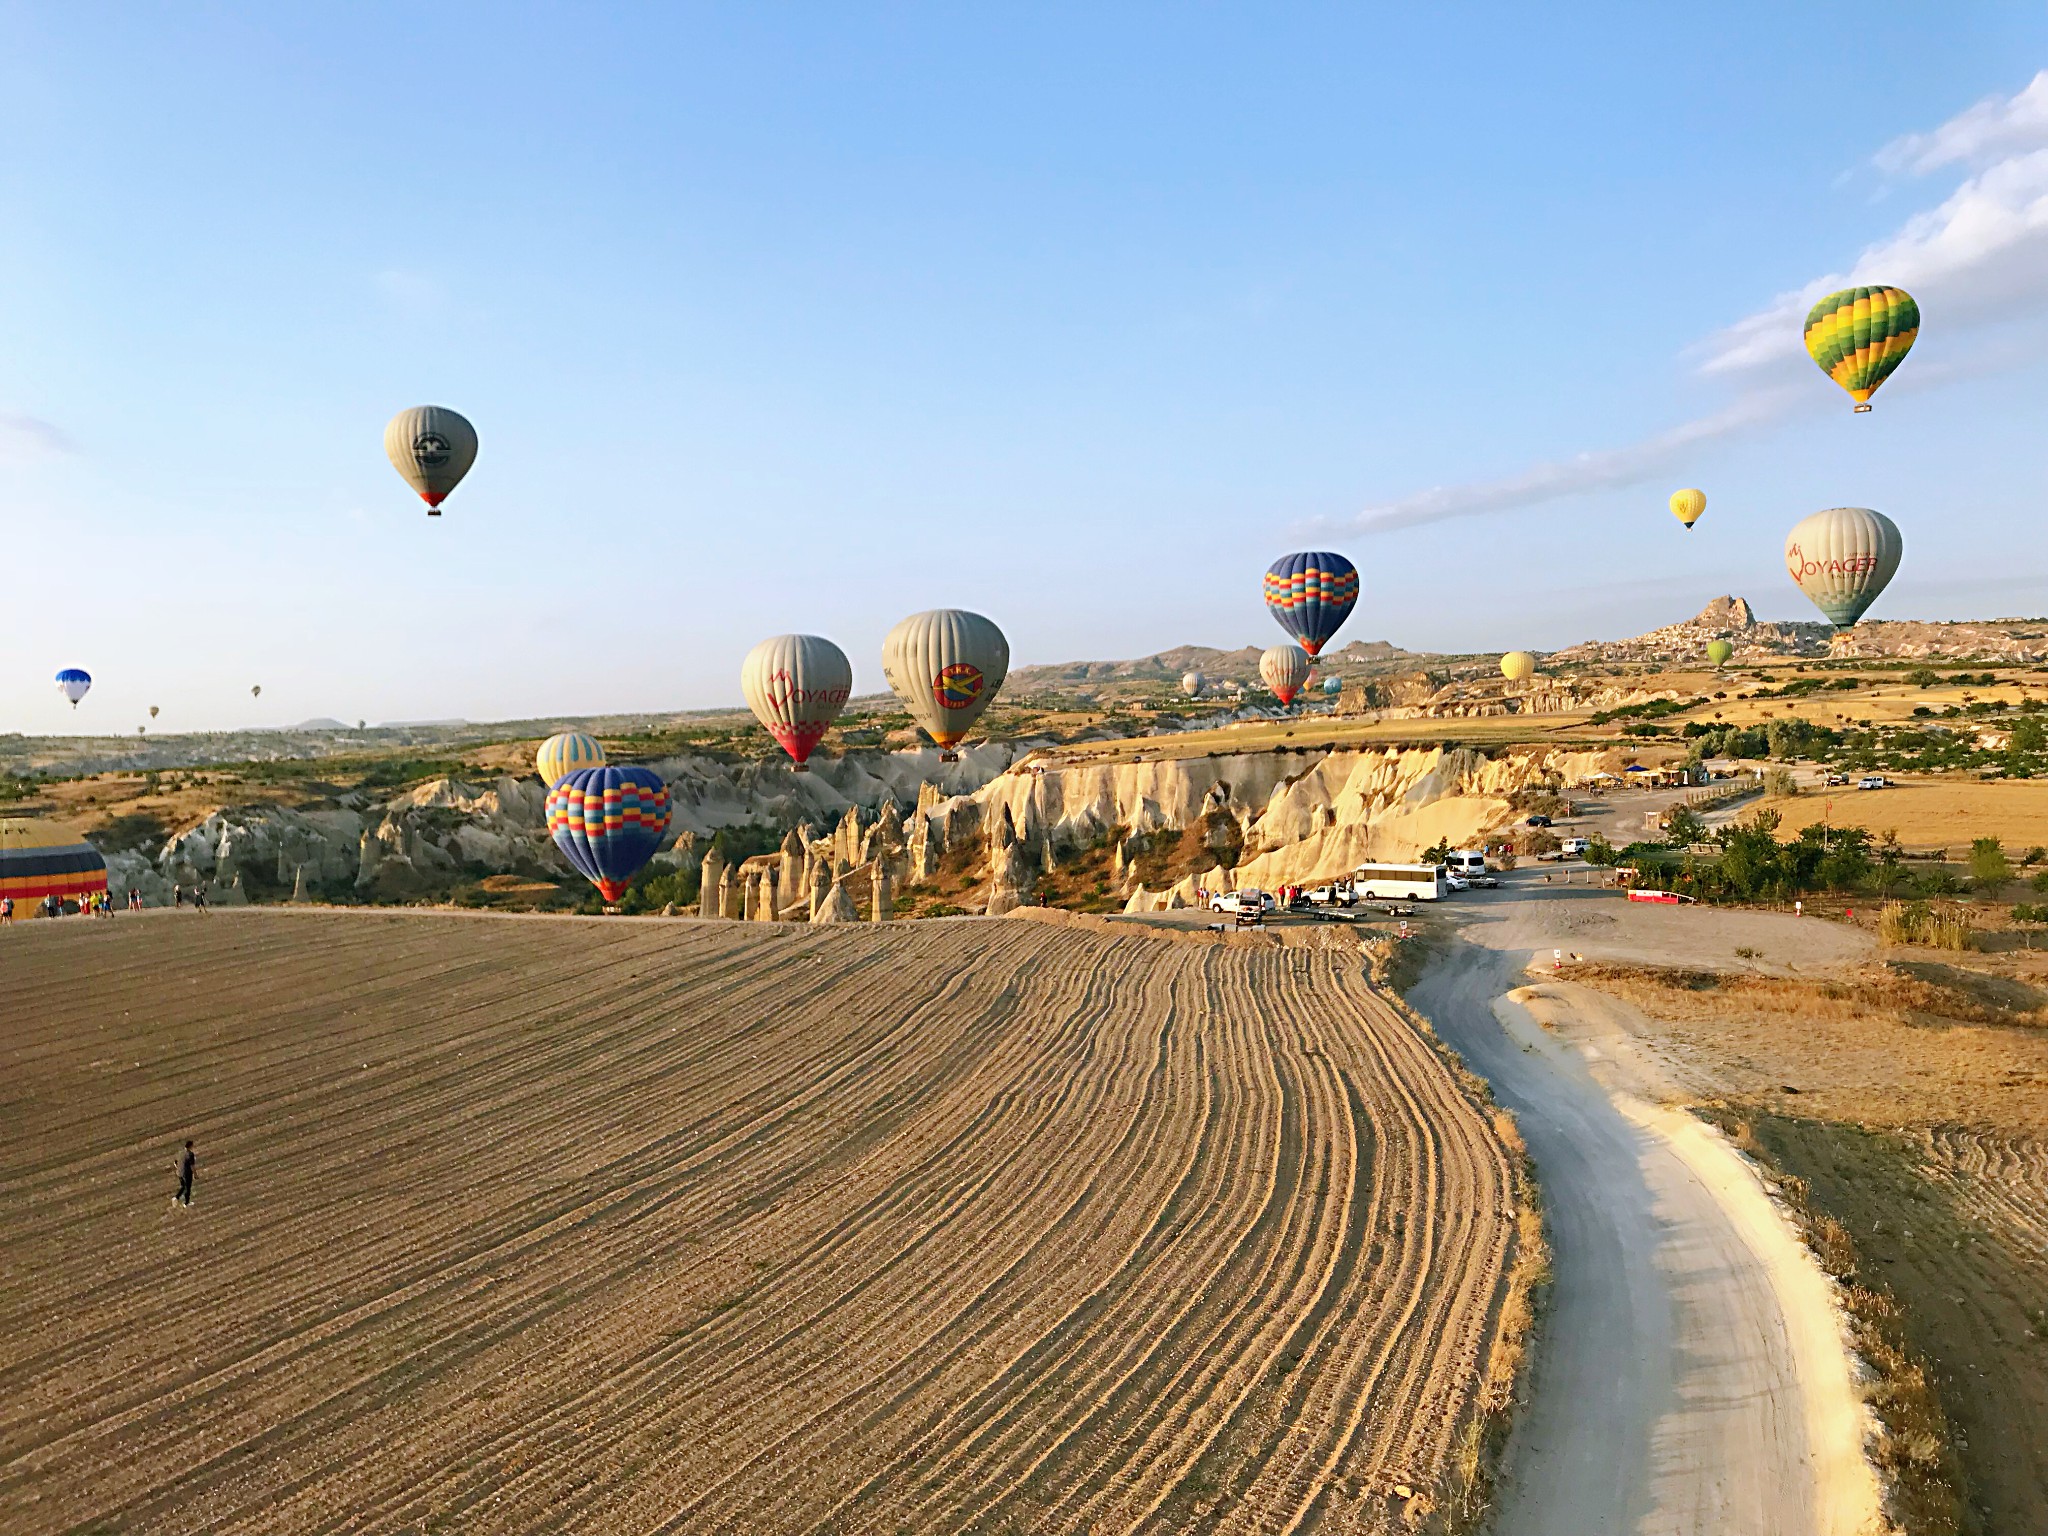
[1938,925]
[1929,813]
[1895,994]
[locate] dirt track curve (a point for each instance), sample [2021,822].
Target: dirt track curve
[635,1227]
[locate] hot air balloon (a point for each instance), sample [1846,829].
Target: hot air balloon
[1687,506]
[433,448]
[1860,335]
[1718,652]
[141,730]
[1517,666]
[1284,669]
[796,685]
[561,755]
[256,691]
[1191,684]
[945,665]
[1333,685]
[74,684]
[608,821]
[1842,559]
[152,711]
[1311,595]
[40,858]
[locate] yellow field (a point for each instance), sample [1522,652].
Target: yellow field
[1559,730]
[1931,813]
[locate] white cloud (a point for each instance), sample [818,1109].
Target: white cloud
[1981,253]
[24,438]
[1991,127]
[1604,469]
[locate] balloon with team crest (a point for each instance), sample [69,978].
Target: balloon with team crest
[433,448]
[946,666]
[796,685]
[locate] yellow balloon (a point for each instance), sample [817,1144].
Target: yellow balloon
[1687,506]
[1517,665]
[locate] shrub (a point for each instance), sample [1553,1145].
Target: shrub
[1780,783]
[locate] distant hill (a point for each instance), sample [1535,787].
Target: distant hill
[1732,619]
[1147,673]
[320,724]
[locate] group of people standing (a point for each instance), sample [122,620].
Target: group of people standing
[101,903]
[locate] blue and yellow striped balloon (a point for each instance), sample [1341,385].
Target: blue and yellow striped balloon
[1311,595]
[564,754]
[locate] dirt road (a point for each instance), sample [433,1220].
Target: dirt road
[629,1227]
[1691,1377]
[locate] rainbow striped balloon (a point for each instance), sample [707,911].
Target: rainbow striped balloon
[1311,595]
[608,822]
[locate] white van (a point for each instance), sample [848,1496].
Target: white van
[1465,861]
[1574,847]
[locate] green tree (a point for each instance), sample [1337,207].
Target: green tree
[1988,863]
[1684,826]
[1923,677]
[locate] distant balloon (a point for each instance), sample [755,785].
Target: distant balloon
[1687,506]
[1860,335]
[256,692]
[152,711]
[1842,559]
[1191,684]
[796,685]
[562,755]
[141,729]
[1311,595]
[433,448]
[1718,652]
[608,822]
[1517,666]
[945,665]
[1284,669]
[362,725]
[74,684]
[1333,685]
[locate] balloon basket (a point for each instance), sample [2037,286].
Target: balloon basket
[799,767]
[1860,409]
[611,911]
[433,511]
[949,757]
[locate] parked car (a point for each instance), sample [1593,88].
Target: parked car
[1574,847]
[1873,781]
[1331,896]
[1483,882]
[1539,821]
[1457,882]
[1241,901]
[1832,779]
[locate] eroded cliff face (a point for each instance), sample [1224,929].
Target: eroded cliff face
[1299,817]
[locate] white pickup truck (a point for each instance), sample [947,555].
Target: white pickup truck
[1241,901]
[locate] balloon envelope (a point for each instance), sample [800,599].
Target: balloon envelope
[608,822]
[1333,685]
[1842,559]
[563,754]
[1687,506]
[1860,335]
[256,692]
[1284,669]
[945,665]
[1718,652]
[1311,594]
[433,447]
[152,711]
[74,684]
[1191,684]
[1517,666]
[796,685]
[41,858]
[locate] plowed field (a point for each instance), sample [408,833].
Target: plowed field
[570,1225]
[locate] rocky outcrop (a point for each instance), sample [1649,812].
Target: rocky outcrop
[837,906]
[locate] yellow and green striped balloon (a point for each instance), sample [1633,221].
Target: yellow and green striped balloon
[1860,335]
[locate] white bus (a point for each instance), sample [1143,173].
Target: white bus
[1399,882]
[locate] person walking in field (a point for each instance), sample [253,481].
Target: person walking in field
[187,1165]
[6,909]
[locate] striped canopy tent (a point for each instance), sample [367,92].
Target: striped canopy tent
[45,858]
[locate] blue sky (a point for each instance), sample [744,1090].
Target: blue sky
[808,317]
